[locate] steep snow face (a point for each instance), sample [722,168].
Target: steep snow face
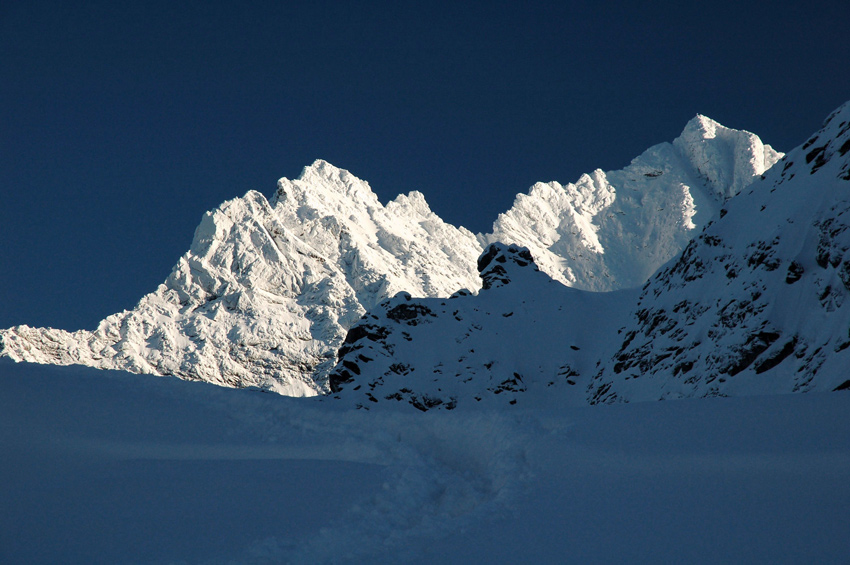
[267,291]
[614,230]
[501,346]
[380,250]
[727,159]
[758,303]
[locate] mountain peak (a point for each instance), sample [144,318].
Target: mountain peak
[727,159]
[703,124]
[269,289]
[412,203]
[322,169]
[323,181]
[757,303]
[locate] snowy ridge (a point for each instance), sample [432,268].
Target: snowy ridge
[614,230]
[758,303]
[727,159]
[502,346]
[380,250]
[268,289]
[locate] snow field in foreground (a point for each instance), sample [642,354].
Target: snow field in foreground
[113,468]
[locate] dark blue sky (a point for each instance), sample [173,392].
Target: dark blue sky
[120,125]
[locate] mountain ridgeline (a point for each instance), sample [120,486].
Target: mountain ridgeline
[603,290]
[757,303]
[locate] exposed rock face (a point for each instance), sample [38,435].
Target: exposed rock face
[496,261]
[758,303]
[501,345]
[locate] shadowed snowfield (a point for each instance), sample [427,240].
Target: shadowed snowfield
[109,467]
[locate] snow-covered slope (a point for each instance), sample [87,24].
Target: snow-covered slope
[756,304]
[500,346]
[613,230]
[760,301]
[268,289]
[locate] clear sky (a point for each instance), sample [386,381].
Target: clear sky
[121,123]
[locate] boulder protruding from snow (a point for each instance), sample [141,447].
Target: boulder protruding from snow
[499,263]
[499,346]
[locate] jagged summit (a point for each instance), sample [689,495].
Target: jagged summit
[414,203]
[760,301]
[323,188]
[501,346]
[322,180]
[612,230]
[728,159]
[269,288]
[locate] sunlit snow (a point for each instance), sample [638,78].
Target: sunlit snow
[266,293]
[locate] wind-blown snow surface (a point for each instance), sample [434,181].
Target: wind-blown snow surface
[268,289]
[108,467]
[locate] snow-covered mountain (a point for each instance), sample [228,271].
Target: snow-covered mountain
[614,230]
[500,346]
[268,289]
[760,301]
[756,304]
